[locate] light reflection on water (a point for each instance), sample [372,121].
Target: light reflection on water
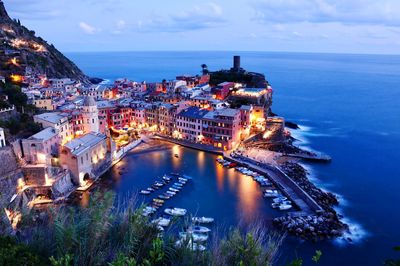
[215,191]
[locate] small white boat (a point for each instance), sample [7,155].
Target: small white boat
[271,193]
[175,211]
[158,184]
[202,220]
[279,199]
[166,178]
[162,221]
[171,193]
[187,177]
[193,236]
[173,189]
[285,207]
[178,184]
[144,192]
[199,229]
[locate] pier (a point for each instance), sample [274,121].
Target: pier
[303,201]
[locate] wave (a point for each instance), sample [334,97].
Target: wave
[355,235]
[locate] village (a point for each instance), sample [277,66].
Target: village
[88,128]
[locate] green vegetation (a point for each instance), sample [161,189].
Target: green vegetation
[393,262]
[102,234]
[13,253]
[218,77]
[21,123]
[15,95]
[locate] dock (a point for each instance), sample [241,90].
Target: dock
[320,157]
[306,204]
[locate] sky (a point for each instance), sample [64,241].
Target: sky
[333,26]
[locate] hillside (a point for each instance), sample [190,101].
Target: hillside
[20,48]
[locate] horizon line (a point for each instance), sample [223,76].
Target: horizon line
[231,51]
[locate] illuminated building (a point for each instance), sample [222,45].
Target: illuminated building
[85,157]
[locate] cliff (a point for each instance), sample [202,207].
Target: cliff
[20,48]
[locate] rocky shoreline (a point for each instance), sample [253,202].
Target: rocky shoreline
[325,225]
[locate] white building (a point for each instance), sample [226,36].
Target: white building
[90,115]
[2,138]
[61,83]
[41,147]
[85,156]
[58,121]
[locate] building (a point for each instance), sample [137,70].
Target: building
[41,147]
[45,104]
[221,128]
[90,115]
[255,96]
[59,121]
[2,138]
[86,157]
[189,124]
[222,90]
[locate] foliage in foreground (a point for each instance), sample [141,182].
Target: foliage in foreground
[103,234]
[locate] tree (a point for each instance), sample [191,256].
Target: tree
[204,69]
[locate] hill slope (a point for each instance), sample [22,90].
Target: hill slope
[20,48]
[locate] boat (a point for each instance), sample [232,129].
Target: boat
[187,177]
[271,193]
[279,199]
[173,189]
[284,207]
[199,229]
[162,221]
[163,196]
[166,178]
[158,200]
[176,155]
[202,220]
[178,184]
[159,184]
[182,179]
[171,193]
[175,211]
[150,189]
[231,165]
[144,192]
[193,236]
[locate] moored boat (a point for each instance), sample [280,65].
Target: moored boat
[193,236]
[203,220]
[199,229]
[175,211]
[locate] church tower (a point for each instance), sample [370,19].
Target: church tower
[90,115]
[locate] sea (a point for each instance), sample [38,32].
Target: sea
[347,106]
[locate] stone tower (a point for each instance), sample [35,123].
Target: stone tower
[90,115]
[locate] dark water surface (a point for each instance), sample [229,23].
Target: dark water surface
[349,108]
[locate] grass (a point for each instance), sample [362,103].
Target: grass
[107,233]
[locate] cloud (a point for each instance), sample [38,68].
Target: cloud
[89,29]
[119,27]
[366,12]
[32,9]
[199,17]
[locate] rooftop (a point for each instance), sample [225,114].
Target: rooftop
[82,144]
[45,134]
[52,117]
[193,112]
[228,112]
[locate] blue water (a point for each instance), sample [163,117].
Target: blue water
[348,107]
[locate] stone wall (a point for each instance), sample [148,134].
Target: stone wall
[8,162]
